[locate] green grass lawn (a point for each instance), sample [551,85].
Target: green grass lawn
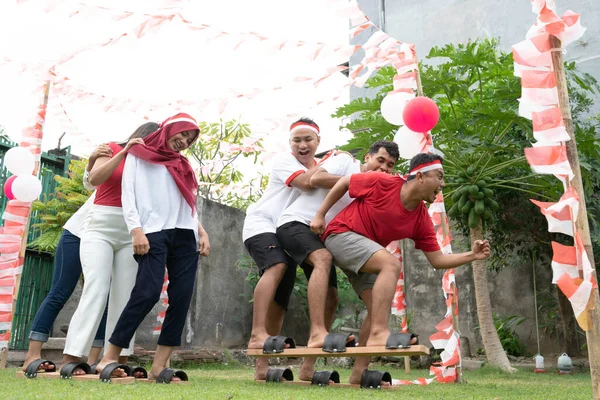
[235,382]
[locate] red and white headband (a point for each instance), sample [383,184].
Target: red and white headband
[426,167]
[181,117]
[304,125]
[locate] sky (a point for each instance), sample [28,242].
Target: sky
[217,70]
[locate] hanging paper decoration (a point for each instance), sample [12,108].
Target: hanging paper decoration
[572,271]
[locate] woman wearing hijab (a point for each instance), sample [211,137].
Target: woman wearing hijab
[159,204]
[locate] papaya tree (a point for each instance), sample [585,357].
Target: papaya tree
[482,138]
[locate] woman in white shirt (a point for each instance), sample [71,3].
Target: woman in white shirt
[67,270]
[159,205]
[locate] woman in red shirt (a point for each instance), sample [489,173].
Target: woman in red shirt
[106,252]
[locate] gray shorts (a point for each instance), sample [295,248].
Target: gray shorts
[350,252]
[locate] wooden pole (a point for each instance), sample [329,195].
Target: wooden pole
[4,351]
[446,233]
[581,224]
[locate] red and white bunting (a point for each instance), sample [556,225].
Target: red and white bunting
[564,261]
[560,215]
[548,126]
[549,160]
[572,271]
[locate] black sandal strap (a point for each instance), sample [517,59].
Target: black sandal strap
[167,373]
[66,372]
[93,368]
[106,373]
[32,369]
[373,379]
[276,344]
[277,375]
[337,342]
[322,378]
[136,369]
[400,340]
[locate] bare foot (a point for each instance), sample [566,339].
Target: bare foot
[117,373]
[317,340]
[45,367]
[307,369]
[261,368]
[69,359]
[258,341]
[378,338]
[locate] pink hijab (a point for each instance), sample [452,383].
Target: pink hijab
[157,151]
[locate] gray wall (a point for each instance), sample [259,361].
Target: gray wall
[429,23]
[511,293]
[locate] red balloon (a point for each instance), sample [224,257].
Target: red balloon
[421,114]
[8,187]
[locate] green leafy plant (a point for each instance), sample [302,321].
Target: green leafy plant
[54,211]
[505,326]
[218,152]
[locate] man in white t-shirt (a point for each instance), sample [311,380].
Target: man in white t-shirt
[290,176]
[307,249]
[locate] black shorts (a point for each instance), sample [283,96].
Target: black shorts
[266,251]
[299,241]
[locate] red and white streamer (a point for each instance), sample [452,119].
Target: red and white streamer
[164,304]
[572,270]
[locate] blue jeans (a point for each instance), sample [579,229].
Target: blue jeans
[67,270]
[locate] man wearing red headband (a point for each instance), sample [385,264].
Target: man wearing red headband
[386,208]
[290,175]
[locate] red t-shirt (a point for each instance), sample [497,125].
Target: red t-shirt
[109,193]
[378,214]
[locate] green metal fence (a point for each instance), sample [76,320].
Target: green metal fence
[39,267]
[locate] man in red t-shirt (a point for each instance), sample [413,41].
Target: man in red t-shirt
[387,208]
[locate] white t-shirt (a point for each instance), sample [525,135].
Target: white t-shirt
[262,216]
[304,208]
[151,199]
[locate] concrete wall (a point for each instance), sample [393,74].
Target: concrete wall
[429,23]
[511,293]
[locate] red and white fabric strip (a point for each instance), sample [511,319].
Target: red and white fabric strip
[561,214]
[564,260]
[418,381]
[548,126]
[297,127]
[426,167]
[551,160]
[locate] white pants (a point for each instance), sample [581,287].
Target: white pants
[108,266]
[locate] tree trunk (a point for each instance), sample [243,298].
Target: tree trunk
[495,354]
[571,344]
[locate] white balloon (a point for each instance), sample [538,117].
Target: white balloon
[410,143]
[26,188]
[19,161]
[392,106]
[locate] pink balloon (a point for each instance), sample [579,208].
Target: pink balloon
[8,187]
[421,114]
